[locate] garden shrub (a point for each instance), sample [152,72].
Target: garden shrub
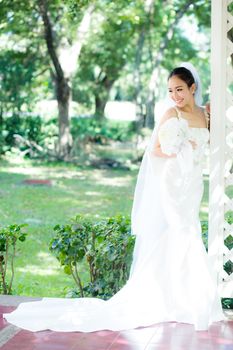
[101,131]
[9,237]
[26,126]
[204,228]
[37,137]
[105,249]
[227,303]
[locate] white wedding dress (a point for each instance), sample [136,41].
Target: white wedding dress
[170,278]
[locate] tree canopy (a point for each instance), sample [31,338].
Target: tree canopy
[91,51]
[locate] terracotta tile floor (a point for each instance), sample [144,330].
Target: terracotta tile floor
[4,309]
[163,336]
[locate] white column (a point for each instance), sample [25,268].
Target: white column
[220,154]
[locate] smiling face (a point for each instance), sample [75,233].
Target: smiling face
[179,91]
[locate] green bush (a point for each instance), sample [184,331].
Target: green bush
[92,130]
[38,137]
[28,127]
[9,237]
[104,248]
[204,228]
[227,303]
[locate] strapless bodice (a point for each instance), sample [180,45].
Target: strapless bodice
[201,138]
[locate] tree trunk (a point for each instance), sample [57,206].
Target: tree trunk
[63,98]
[150,103]
[140,113]
[100,103]
[62,86]
[101,96]
[137,80]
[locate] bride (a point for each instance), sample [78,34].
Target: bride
[170,277]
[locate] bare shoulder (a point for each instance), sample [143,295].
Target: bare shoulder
[170,113]
[202,111]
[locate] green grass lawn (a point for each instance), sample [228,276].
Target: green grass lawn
[74,190]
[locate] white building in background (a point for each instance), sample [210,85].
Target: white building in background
[221,144]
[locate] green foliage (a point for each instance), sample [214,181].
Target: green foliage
[229,217]
[27,126]
[101,131]
[15,126]
[202,10]
[123,41]
[9,237]
[31,135]
[76,6]
[37,271]
[105,247]
[36,137]
[204,228]
[230,8]
[16,72]
[227,303]
[108,50]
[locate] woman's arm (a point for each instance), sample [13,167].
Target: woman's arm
[157,148]
[158,153]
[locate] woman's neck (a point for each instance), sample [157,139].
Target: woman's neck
[189,108]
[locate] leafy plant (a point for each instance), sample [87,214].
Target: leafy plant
[9,237]
[227,303]
[93,130]
[36,137]
[104,247]
[204,228]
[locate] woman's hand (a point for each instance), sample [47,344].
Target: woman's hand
[158,153]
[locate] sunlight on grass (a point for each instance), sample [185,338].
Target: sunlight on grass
[92,193]
[25,171]
[97,192]
[74,190]
[36,270]
[116,181]
[39,172]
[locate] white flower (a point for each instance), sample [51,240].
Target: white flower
[173,134]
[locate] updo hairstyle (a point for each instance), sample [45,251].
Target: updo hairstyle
[183,74]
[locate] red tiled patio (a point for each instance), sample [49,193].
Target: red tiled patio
[163,336]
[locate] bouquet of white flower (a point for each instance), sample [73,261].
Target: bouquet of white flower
[173,134]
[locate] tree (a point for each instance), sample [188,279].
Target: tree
[135,40]
[89,50]
[175,10]
[59,75]
[21,59]
[107,51]
[63,37]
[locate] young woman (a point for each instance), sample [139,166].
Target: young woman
[170,277]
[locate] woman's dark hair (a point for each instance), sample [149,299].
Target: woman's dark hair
[184,74]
